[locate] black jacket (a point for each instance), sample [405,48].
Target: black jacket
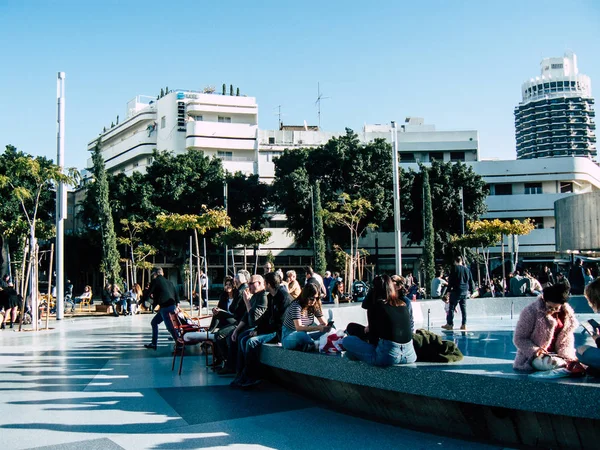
[259,303]
[278,304]
[460,280]
[238,307]
[163,292]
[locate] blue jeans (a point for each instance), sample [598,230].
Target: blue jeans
[252,354]
[163,316]
[295,340]
[385,353]
[590,356]
[457,299]
[242,339]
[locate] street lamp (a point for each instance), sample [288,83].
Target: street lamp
[397,226]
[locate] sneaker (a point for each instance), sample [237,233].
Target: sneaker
[463,328]
[226,371]
[238,381]
[150,346]
[447,327]
[248,384]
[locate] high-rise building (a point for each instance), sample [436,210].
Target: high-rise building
[555,117]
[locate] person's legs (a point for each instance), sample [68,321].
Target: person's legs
[164,312]
[451,307]
[359,349]
[253,346]
[463,309]
[590,356]
[156,321]
[114,308]
[296,340]
[356,329]
[241,353]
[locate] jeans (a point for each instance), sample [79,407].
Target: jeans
[252,354]
[295,340]
[590,356]
[385,353]
[457,299]
[163,316]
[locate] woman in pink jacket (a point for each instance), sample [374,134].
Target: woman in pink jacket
[544,334]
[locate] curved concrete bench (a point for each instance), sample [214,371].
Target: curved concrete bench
[478,398]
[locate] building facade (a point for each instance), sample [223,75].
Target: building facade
[556,114]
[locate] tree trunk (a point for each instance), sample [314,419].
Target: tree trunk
[503,269]
[50,285]
[198,268]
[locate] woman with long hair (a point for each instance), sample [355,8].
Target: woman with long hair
[588,354]
[299,330]
[388,334]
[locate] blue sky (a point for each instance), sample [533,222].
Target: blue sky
[459,65]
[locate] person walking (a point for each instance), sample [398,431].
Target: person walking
[165,295]
[460,282]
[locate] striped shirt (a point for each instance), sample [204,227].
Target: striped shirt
[294,312]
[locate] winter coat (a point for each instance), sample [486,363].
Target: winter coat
[535,330]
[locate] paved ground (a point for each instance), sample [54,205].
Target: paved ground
[90,384]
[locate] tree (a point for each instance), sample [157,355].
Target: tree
[243,236]
[247,199]
[224,89]
[110,255]
[429,238]
[320,261]
[237,92]
[445,180]
[162,92]
[231,89]
[137,250]
[349,214]
[28,179]
[117,119]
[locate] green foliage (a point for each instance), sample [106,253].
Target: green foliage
[429,237]
[341,165]
[247,199]
[231,89]
[162,92]
[237,92]
[320,260]
[242,236]
[445,180]
[109,265]
[208,220]
[224,89]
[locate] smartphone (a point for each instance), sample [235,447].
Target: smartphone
[330,324]
[594,324]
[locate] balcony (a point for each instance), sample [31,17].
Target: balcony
[216,135]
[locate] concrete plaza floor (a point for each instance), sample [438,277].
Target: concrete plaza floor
[90,384]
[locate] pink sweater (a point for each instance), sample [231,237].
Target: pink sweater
[535,330]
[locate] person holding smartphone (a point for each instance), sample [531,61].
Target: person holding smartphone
[544,335]
[299,330]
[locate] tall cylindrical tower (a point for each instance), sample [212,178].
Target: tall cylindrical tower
[556,115]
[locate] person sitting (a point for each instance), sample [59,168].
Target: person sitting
[69,296]
[439,285]
[388,333]
[293,286]
[299,330]
[587,354]
[535,287]
[115,298]
[544,333]
[339,294]
[85,297]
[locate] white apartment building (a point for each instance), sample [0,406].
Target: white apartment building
[227,127]
[220,125]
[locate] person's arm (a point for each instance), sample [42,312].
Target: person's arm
[299,327]
[522,337]
[257,311]
[237,330]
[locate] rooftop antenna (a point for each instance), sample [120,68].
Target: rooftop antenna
[279,115]
[318,102]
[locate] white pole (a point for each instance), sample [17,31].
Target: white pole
[226,212]
[61,201]
[397,226]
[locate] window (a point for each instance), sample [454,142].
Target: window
[150,160]
[557,66]
[438,156]
[566,187]
[407,157]
[198,118]
[538,222]
[163,121]
[533,188]
[503,189]
[457,156]
[224,119]
[225,156]
[271,140]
